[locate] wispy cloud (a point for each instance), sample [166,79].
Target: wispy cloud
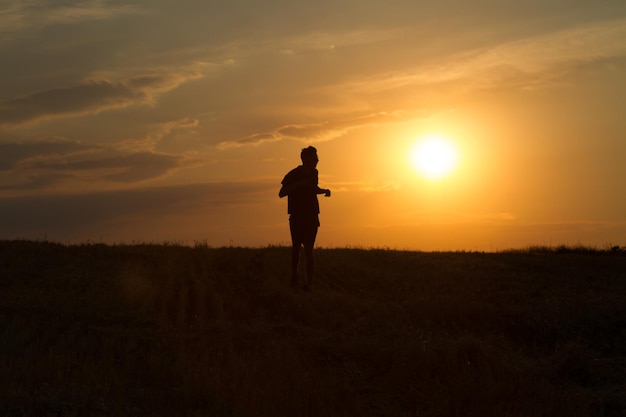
[328,41]
[12,154]
[525,61]
[363,186]
[321,131]
[90,97]
[89,10]
[123,168]
[26,14]
[89,215]
[157,134]
[452,217]
[48,165]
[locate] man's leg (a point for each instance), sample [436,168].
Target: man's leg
[295,257]
[296,242]
[310,266]
[310,260]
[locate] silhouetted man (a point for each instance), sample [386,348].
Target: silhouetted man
[300,185]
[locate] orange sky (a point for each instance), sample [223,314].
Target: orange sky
[154,121]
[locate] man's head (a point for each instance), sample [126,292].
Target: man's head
[309,157]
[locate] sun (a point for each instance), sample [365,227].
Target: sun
[434,157]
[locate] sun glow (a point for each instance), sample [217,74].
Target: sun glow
[434,157]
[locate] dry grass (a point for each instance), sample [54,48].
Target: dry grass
[167,330]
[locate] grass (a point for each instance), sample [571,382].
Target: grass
[168,330]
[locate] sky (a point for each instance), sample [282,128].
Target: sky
[175,121]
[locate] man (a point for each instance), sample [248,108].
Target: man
[300,186]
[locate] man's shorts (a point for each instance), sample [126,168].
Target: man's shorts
[303,229]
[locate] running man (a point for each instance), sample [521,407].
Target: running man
[300,187]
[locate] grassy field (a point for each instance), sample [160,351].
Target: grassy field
[168,330]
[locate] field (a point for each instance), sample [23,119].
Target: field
[169,330]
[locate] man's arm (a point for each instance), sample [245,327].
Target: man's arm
[284,191]
[288,186]
[324,191]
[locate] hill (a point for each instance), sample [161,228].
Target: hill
[168,330]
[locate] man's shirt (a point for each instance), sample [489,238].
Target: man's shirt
[302,200]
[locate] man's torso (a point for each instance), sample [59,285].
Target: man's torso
[302,200]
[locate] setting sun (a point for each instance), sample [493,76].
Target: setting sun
[434,157]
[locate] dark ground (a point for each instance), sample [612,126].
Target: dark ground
[165,330]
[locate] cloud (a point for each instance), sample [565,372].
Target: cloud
[28,14]
[70,165]
[87,11]
[90,97]
[130,168]
[319,132]
[165,129]
[581,44]
[363,187]
[170,131]
[87,216]
[329,41]
[526,61]
[11,154]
